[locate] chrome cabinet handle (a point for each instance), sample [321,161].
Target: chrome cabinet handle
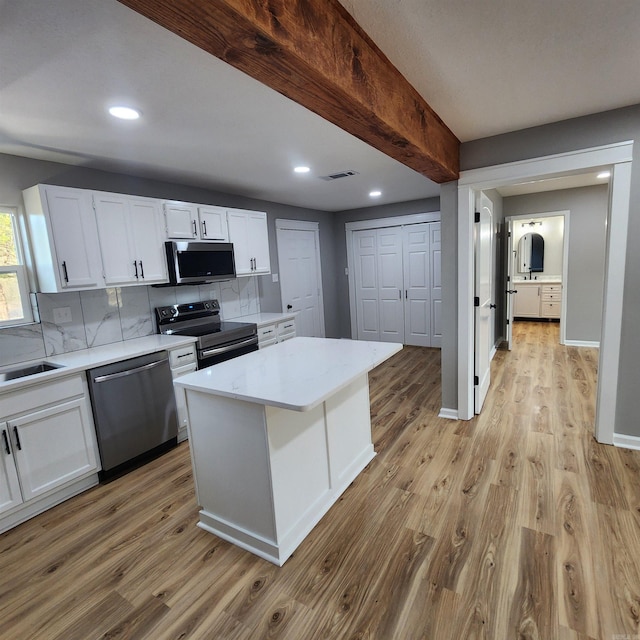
[64,269]
[195,229]
[204,228]
[141,269]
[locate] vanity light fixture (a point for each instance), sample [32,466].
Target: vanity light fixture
[375,194]
[301,169]
[603,174]
[124,113]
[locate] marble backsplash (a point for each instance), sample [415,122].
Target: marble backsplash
[80,319]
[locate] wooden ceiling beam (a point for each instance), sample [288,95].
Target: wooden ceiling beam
[313,52]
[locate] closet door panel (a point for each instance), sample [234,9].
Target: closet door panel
[417,303]
[390,284]
[366,279]
[435,263]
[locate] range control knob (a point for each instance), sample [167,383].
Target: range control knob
[207,305]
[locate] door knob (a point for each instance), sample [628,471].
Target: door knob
[289,307]
[492,306]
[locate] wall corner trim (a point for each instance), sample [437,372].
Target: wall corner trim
[626,442]
[449,414]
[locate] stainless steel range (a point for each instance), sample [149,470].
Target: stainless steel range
[217,340]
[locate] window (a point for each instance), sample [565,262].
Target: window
[14,292]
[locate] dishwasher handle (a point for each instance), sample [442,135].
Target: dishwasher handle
[129,372]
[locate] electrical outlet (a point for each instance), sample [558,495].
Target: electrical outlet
[62,315]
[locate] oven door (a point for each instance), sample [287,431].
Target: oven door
[215,355]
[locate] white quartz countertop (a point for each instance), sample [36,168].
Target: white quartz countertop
[297,374]
[262,319]
[84,359]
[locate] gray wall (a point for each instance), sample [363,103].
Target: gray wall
[18,173]
[428,205]
[579,133]
[583,290]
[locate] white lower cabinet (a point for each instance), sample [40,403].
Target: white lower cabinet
[275,332]
[182,360]
[49,450]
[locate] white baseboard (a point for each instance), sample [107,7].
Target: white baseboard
[582,343]
[450,414]
[626,442]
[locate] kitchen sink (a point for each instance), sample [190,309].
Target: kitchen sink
[29,370]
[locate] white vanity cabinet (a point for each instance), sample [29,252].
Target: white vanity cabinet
[63,231]
[182,360]
[537,300]
[130,232]
[49,450]
[250,237]
[187,221]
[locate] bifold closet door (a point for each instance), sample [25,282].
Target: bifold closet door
[435,264]
[379,282]
[417,285]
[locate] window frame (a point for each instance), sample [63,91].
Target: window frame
[20,269]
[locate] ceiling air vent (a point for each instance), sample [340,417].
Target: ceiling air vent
[339,174]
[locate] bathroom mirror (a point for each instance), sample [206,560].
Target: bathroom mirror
[531,253]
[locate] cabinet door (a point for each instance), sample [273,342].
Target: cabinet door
[10,495]
[181,221]
[213,224]
[75,238]
[116,240]
[146,227]
[527,302]
[52,447]
[239,234]
[258,241]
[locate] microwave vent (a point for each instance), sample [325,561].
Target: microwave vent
[339,174]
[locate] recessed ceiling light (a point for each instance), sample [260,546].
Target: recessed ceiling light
[604,174]
[124,113]
[375,194]
[302,169]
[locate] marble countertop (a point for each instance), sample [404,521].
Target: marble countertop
[297,374]
[542,280]
[73,362]
[262,319]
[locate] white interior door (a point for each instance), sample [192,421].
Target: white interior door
[483,315]
[300,276]
[510,286]
[435,263]
[390,284]
[417,285]
[366,279]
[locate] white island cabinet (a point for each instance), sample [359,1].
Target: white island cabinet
[276,437]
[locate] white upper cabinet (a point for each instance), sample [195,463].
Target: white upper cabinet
[213,223]
[181,220]
[131,239]
[65,238]
[186,221]
[248,232]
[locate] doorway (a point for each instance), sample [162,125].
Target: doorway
[617,158]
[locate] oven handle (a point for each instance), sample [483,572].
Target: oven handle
[230,347]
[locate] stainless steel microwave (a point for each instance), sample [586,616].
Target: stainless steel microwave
[199,262]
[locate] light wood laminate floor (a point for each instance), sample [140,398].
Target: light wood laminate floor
[516,524]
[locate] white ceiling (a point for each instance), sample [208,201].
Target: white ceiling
[485,67]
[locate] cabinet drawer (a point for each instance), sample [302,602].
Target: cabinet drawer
[286,329]
[551,296]
[182,356]
[550,309]
[268,332]
[41,395]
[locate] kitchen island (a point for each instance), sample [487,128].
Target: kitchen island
[277,435]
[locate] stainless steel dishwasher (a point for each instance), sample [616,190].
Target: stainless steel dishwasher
[134,409]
